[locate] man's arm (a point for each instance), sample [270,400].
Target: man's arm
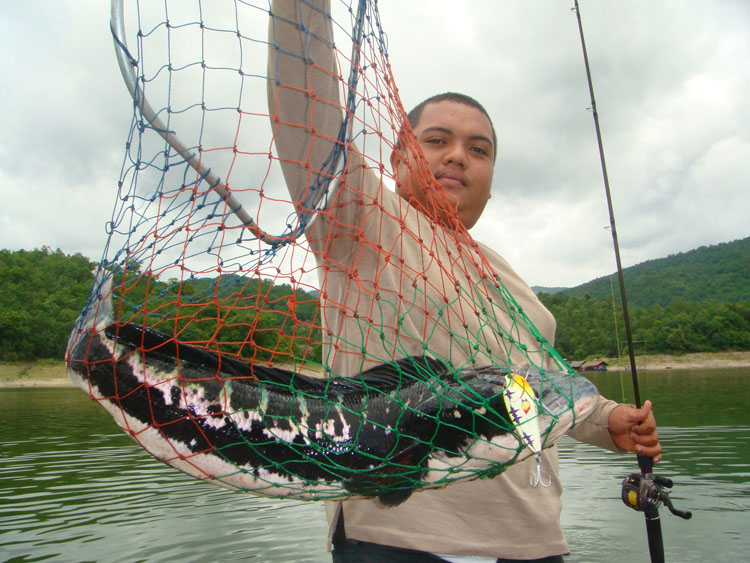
[303,90]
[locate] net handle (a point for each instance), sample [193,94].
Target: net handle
[127,66]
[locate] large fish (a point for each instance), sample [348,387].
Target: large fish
[401,426]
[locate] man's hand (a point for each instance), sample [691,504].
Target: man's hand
[628,434]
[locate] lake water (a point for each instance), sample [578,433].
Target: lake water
[73,487]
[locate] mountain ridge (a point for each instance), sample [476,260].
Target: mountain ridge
[719,273]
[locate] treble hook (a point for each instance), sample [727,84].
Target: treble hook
[535,482]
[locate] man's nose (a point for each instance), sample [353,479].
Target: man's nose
[455,154]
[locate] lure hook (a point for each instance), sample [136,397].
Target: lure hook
[536,480]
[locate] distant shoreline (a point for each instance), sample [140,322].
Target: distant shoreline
[45,374]
[698,360]
[34,374]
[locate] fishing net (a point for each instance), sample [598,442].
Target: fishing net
[257,246]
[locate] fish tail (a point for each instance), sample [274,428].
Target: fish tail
[96,314]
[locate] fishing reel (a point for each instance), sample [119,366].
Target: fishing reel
[645,493]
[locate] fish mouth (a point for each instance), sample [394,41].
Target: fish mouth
[565,400]
[558,390]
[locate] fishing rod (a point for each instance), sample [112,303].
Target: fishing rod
[642,491]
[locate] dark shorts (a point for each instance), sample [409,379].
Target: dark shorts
[346,550]
[353,551]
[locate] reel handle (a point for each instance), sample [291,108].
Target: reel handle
[645,493]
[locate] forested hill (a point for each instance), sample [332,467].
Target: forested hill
[718,273]
[42,293]
[692,302]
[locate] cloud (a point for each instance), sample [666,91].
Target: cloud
[671,87]
[62,138]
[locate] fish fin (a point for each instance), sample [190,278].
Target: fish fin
[390,375]
[394,481]
[394,498]
[383,377]
[207,363]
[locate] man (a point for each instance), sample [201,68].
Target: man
[458,142]
[399,275]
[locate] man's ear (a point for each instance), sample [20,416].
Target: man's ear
[396,159]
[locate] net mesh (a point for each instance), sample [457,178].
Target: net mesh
[256,228]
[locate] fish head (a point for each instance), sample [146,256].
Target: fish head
[565,399]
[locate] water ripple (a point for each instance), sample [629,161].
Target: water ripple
[75,488]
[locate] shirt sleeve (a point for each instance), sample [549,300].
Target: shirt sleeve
[304,95]
[594,430]
[309,126]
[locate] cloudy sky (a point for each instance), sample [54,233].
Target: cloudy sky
[672,84]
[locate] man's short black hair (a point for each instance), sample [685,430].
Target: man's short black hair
[416,114]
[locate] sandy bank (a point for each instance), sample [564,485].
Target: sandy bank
[700,360]
[34,375]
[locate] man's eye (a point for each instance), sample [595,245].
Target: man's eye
[480,150]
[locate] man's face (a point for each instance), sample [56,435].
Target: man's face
[456,140]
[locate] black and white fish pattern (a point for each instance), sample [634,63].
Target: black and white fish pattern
[398,427]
